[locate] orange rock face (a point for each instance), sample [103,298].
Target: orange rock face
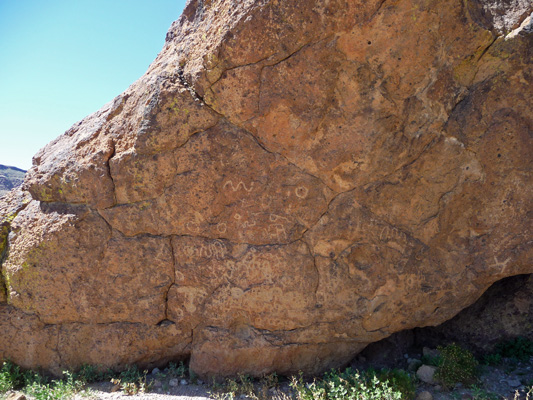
[290,181]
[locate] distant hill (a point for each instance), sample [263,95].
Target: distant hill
[10,177]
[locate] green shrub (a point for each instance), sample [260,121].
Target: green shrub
[11,377]
[519,348]
[132,381]
[492,359]
[457,365]
[90,374]
[35,385]
[244,385]
[400,381]
[177,371]
[347,385]
[62,389]
[481,394]
[428,359]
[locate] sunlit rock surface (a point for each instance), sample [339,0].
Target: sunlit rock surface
[289,182]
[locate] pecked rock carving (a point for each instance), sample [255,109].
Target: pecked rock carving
[289,182]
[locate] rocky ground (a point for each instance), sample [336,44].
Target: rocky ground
[503,382]
[510,379]
[506,380]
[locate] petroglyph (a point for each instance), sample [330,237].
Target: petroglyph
[278,218]
[392,234]
[215,249]
[266,201]
[193,226]
[240,185]
[500,264]
[248,224]
[277,232]
[301,192]
[222,227]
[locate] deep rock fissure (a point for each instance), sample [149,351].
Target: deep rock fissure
[174,271]
[108,166]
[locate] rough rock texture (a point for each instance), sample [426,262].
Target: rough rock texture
[289,181]
[505,311]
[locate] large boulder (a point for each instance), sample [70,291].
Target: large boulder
[289,182]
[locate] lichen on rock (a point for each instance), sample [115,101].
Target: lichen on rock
[289,182]
[14,202]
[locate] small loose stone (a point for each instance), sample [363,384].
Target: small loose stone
[425,395]
[514,383]
[173,382]
[426,374]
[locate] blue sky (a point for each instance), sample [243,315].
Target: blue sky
[61,60]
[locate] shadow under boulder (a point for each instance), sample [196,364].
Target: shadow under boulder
[503,312]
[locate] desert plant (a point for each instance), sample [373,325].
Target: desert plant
[481,394]
[264,386]
[132,381]
[40,389]
[347,385]
[492,359]
[90,374]
[192,376]
[519,348]
[232,388]
[177,371]
[529,394]
[457,366]
[399,380]
[11,377]
[244,385]
[429,359]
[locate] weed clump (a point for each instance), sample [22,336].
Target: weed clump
[457,365]
[132,381]
[347,385]
[91,374]
[433,360]
[492,359]
[244,385]
[519,348]
[12,377]
[400,380]
[178,370]
[510,351]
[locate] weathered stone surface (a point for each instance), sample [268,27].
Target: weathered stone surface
[66,265]
[500,15]
[33,343]
[288,182]
[504,312]
[15,201]
[235,190]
